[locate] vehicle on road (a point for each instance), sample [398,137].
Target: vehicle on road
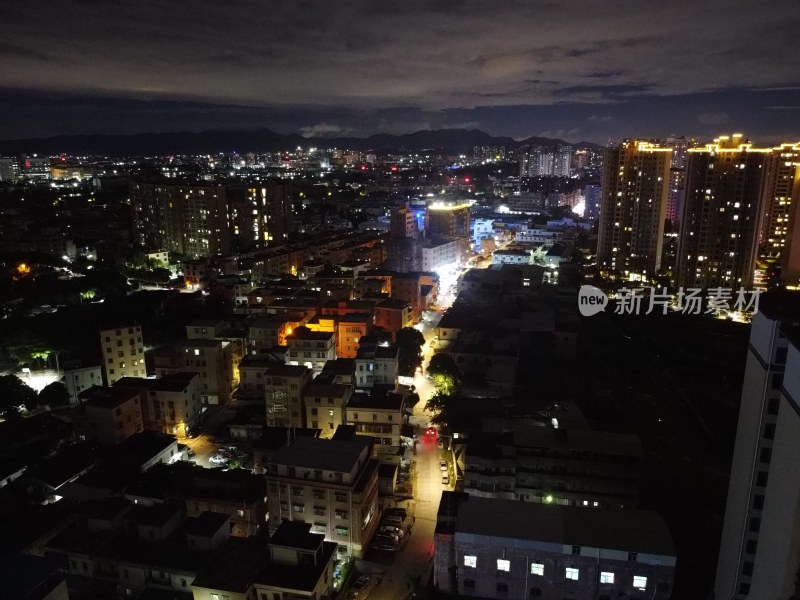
[446,478]
[443,465]
[400,512]
[393,520]
[387,538]
[218,459]
[384,548]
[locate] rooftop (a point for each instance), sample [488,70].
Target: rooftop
[628,531]
[296,534]
[109,398]
[327,455]
[206,524]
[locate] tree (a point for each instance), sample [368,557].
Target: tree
[445,373]
[15,394]
[409,342]
[54,394]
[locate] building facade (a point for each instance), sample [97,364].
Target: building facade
[123,353]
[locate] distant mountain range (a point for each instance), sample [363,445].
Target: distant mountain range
[262,140]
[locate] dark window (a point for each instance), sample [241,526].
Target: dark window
[469,584]
[761,479]
[744,588]
[758,501]
[502,588]
[632,556]
[747,568]
[755,524]
[750,547]
[766,455]
[772,406]
[769,431]
[777,381]
[780,355]
[576,550]
[535,592]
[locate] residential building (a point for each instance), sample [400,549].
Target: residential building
[584,468]
[442,253]
[309,348]
[211,359]
[113,413]
[297,565]
[490,548]
[632,209]
[77,378]
[393,314]
[123,352]
[449,220]
[331,484]
[722,214]
[349,329]
[379,414]
[376,365]
[285,388]
[9,169]
[172,404]
[512,256]
[592,198]
[325,405]
[762,520]
[779,240]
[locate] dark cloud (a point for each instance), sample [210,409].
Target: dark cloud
[364,65]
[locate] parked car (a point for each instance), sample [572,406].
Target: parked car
[385,548]
[400,512]
[443,465]
[446,478]
[218,459]
[391,529]
[361,583]
[390,537]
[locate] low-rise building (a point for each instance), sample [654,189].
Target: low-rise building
[123,352]
[77,378]
[311,349]
[211,359]
[331,484]
[393,315]
[325,405]
[490,548]
[172,403]
[379,415]
[284,390]
[376,365]
[113,413]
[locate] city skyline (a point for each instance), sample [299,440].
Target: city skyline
[516,70]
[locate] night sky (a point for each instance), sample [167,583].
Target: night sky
[580,70]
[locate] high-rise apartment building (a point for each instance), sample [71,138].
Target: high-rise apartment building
[632,209]
[9,169]
[545,161]
[719,236]
[449,220]
[208,219]
[123,353]
[761,533]
[779,239]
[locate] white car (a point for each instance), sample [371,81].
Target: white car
[218,459]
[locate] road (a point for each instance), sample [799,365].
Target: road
[411,566]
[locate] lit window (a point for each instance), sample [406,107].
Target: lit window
[471,561]
[537,569]
[606,577]
[572,573]
[197,351]
[639,582]
[503,565]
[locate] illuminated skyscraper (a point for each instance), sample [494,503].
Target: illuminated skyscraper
[634,202]
[779,240]
[449,220]
[722,213]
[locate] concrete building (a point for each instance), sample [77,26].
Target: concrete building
[632,209]
[211,359]
[761,531]
[443,253]
[77,378]
[113,413]
[393,315]
[779,236]
[331,484]
[379,415]
[592,198]
[376,365]
[512,256]
[505,549]
[722,214]
[583,468]
[310,349]
[9,169]
[123,353]
[172,404]
[325,405]
[449,220]
[284,389]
